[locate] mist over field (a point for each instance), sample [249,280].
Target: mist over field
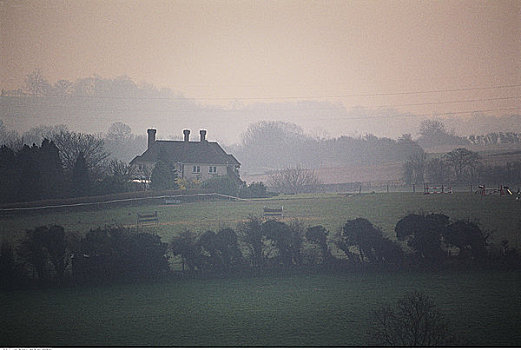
[260,173]
[92,104]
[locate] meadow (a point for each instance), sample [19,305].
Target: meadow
[483,308]
[500,215]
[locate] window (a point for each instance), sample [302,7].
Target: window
[196,169]
[212,170]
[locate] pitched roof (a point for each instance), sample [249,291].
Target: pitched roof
[188,152]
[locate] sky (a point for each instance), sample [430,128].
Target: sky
[430,57]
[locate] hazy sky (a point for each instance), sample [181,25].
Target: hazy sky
[246,50]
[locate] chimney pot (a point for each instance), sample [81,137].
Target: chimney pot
[151,137]
[187,135]
[203,135]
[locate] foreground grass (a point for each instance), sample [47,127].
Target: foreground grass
[300,310]
[502,215]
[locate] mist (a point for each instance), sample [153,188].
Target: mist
[232,173]
[93,104]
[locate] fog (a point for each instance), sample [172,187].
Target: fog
[334,68]
[170,114]
[350,176]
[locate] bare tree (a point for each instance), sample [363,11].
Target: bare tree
[63,88]
[9,138]
[119,132]
[414,168]
[39,133]
[36,83]
[294,180]
[463,162]
[71,144]
[415,321]
[436,170]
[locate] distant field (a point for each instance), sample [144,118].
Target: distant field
[502,215]
[302,310]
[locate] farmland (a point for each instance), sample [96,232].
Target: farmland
[300,310]
[501,215]
[483,308]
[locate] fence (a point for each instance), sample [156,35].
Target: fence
[393,186]
[120,202]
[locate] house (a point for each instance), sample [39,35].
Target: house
[199,160]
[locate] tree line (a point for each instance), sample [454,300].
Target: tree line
[43,172]
[460,166]
[50,256]
[274,145]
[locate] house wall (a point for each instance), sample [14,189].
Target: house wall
[204,173]
[185,170]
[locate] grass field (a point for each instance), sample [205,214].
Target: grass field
[502,215]
[303,310]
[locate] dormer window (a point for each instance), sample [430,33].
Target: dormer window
[212,170]
[196,169]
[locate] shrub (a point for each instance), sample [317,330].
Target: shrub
[254,190]
[47,250]
[222,185]
[116,253]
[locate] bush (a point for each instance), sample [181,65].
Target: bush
[47,250]
[254,190]
[116,253]
[362,236]
[222,185]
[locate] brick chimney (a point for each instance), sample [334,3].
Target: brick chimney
[203,135]
[151,137]
[187,135]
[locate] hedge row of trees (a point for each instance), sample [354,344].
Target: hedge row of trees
[422,240]
[38,172]
[50,256]
[458,166]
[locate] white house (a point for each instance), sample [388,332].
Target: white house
[193,159]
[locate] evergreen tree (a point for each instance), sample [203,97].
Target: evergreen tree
[163,176]
[29,173]
[51,170]
[80,177]
[9,179]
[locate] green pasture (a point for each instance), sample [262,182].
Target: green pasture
[483,309]
[502,215]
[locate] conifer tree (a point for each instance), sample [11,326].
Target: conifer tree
[9,179]
[51,170]
[163,176]
[29,173]
[80,177]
